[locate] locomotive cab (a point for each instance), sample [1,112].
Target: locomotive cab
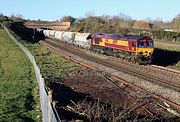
[144,50]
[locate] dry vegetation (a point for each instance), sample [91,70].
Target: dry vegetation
[123,24]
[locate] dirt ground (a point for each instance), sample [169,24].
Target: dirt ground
[88,87]
[88,96]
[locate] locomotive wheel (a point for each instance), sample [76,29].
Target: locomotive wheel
[139,60]
[94,49]
[115,55]
[99,51]
[102,51]
[127,56]
[149,61]
[133,58]
[124,55]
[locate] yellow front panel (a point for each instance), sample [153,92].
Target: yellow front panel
[145,51]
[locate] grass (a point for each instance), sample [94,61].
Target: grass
[167,45]
[18,88]
[51,65]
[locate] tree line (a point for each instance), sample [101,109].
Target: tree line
[117,24]
[123,24]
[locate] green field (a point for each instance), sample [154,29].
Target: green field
[172,46]
[18,87]
[170,51]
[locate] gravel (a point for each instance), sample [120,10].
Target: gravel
[159,90]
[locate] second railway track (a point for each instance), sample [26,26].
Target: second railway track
[122,84]
[174,85]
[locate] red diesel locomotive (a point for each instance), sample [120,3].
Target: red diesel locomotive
[136,48]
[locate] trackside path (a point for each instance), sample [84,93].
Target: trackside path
[18,86]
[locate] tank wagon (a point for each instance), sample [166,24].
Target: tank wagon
[46,33]
[68,37]
[49,33]
[132,47]
[83,40]
[59,35]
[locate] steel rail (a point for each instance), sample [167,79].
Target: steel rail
[174,105]
[126,69]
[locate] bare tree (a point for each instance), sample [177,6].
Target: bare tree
[90,14]
[141,25]
[124,17]
[175,24]
[16,18]
[121,21]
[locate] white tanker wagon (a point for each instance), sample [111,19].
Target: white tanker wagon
[83,40]
[68,37]
[59,35]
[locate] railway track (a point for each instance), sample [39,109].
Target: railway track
[123,84]
[167,74]
[120,67]
[152,67]
[166,69]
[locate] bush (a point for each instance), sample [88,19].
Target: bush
[114,26]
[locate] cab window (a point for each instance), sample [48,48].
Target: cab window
[149,44]
[140,44]
[133,44]
[96,40]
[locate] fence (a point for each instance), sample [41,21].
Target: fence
[49,113]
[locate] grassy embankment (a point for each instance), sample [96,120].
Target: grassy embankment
[18,87]
[51,65]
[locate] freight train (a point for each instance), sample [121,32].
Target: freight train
[138,49]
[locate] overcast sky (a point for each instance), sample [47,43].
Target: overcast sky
[55,9]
